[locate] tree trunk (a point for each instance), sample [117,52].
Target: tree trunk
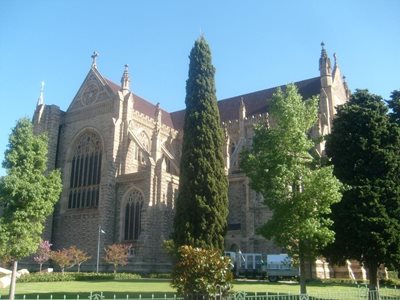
[373,281]
[40,268]
[303,288]
[373,277]
[11,296]
[79,268]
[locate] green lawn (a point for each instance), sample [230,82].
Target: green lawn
[158,288]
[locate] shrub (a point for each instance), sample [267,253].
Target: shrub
[202,272]
[117,254]
[159,275]
[46,277]
[77,256]
[126,276]
[73,276]
[61,258]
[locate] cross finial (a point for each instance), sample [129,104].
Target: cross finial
[94,56]
[322,45]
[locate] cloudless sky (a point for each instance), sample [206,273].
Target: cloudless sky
[255,45]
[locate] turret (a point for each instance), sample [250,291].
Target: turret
[334,92]
[37,116]
[325,67]
[125,80]
[41,96]
[156,138]
[325,98]
[346,87]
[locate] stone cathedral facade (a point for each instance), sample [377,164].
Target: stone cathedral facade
[119,155]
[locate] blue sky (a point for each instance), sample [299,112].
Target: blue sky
[255,45]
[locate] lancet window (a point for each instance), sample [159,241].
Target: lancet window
[133,216]
[85,175]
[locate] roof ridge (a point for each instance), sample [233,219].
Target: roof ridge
[256,102]
[271,88]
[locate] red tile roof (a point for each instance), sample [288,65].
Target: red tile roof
[255,103]
[258,102]
[149,109]
[114,87]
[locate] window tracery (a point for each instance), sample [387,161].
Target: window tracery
[133,216]
[85,175]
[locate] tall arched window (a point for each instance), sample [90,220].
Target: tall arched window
[85,172]
[133,216]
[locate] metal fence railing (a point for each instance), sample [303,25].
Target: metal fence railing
[359,294]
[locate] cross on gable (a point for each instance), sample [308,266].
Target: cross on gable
[94,56]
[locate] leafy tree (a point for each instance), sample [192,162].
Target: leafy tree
[202,273]
[364,147]
[294,185]
[77,256]
[117,254]
[394,104]
[27,194]
[43,253]
[62,258]
[202,202]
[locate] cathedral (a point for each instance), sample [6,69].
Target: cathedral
[119,156]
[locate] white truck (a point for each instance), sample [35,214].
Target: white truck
[260,265]
[280,266]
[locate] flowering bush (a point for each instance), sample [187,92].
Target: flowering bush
[43,253]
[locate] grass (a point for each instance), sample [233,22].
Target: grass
[157,288]
[83,288]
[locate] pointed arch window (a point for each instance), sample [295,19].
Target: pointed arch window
[133,216]
[84,185]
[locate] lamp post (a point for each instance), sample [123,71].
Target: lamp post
[98,247]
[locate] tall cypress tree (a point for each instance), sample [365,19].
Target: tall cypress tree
[202,202]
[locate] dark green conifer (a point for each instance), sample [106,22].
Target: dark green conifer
[364,149]
[202,202]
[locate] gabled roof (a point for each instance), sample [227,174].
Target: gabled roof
[143,106]
[255,103]
[149,109]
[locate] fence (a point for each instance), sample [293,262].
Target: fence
[359,294]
